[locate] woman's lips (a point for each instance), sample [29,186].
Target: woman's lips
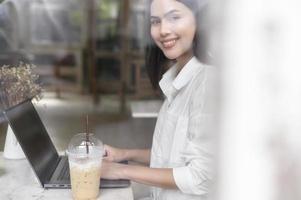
[169,44]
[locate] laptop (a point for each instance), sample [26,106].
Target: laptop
[51,169]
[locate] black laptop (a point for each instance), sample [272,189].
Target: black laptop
[51,169]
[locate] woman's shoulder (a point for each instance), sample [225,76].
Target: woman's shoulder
[205,88]
[206,76]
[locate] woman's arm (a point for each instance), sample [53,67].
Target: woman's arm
[141,174]
[137,155]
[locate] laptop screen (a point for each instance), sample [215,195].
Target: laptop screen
[34,139]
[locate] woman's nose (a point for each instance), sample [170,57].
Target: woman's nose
[165,28]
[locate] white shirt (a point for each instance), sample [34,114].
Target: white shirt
[183,138]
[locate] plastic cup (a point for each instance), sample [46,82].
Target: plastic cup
[85,167]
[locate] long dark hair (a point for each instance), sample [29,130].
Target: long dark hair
[156,61]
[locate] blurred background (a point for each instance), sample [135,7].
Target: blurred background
[89,56]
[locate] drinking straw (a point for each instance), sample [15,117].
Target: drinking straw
[87,133]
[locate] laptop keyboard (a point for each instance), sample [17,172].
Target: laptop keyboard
[64,174]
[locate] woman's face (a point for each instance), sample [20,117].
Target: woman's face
[173,28]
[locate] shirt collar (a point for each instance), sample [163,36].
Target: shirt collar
[171,82]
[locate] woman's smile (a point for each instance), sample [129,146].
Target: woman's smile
[168,44]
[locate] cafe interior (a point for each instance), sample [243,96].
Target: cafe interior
[89,59]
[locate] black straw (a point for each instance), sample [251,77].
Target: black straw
[87,133]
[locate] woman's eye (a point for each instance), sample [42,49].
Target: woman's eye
[155,22]
[173,18]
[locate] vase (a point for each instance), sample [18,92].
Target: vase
[12,148]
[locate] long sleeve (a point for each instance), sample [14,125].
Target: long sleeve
[197,174]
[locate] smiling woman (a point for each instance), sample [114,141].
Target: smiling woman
[180,160]
[169,29]
[192,19]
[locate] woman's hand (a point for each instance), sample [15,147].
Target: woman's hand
[111,170]
[150,176]
[114,154]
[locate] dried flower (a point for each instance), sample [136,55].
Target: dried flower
[18,84]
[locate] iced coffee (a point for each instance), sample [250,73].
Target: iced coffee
[85,166]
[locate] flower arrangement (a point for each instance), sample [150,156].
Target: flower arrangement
[18,84]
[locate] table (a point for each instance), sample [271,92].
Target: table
[145,108]
[17,181]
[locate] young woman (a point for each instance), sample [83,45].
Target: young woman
[180,161]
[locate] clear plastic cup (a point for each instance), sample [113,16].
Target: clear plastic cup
[85,167]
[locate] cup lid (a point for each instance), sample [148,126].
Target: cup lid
[78,146]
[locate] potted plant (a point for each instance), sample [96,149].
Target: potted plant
[17,84]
